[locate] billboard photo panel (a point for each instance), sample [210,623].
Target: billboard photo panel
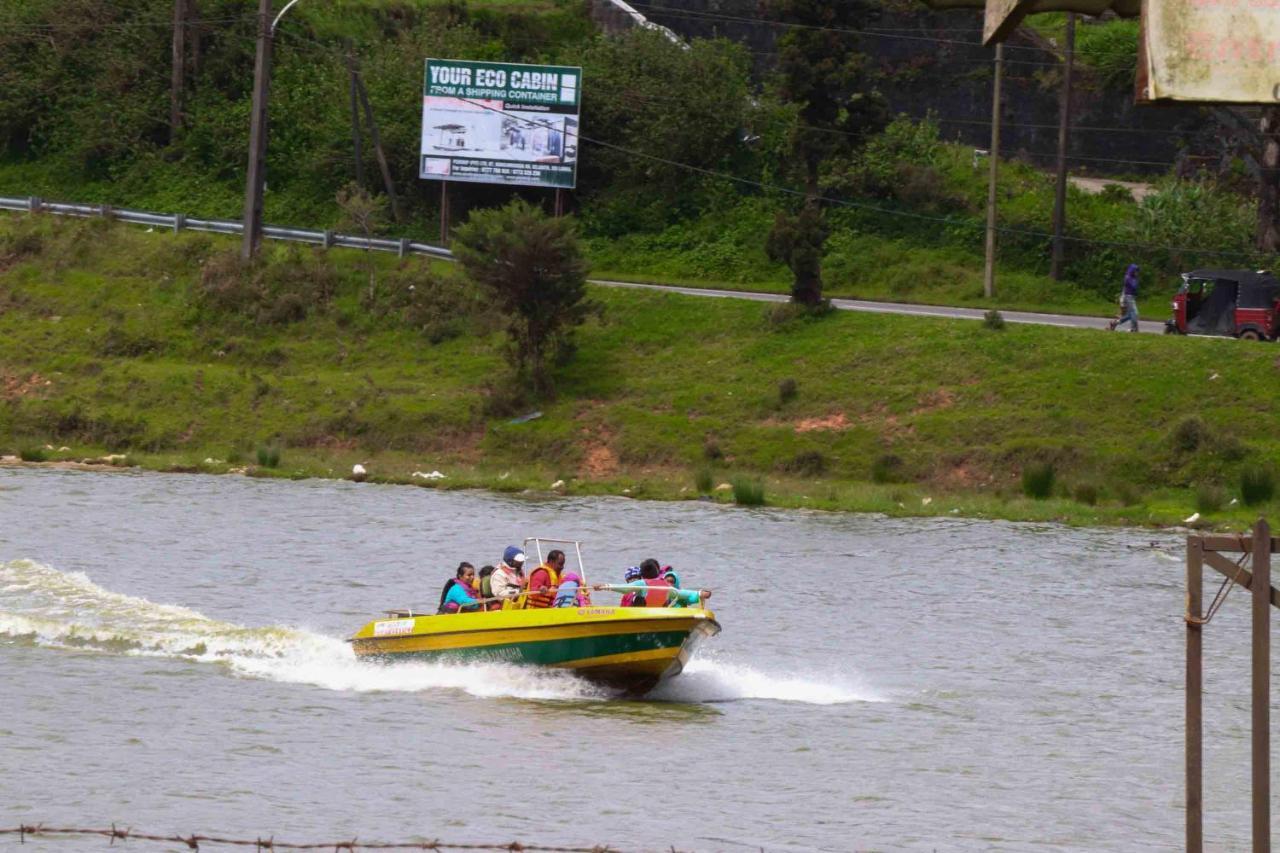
[500,123]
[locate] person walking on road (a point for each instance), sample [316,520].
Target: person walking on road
[1128,301]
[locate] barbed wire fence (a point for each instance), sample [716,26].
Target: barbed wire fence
[194,841]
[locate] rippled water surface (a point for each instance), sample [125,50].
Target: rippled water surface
[172,658]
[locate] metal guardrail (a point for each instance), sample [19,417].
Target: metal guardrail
[179,221]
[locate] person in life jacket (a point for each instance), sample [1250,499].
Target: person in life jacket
[459,593]
[571,593]
[486,589]
[629,577]
[507,580]
[544,580]
[652,589]
[683,597]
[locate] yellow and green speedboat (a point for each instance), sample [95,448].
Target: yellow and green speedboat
[630,649]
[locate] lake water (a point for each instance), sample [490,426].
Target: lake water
[172,659]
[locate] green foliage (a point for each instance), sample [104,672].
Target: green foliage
[531,265]
[1086,493]
[1257,485]
[1128,494]
[797,240]
[687,103]
[1111,50]
[747,491]
[888,468]
[269,293]
[268,456]
[1038,479]
[806,463]
[1210,497]
[703,481]
[33,453]
[788,390]
[1189,434]
[993,320]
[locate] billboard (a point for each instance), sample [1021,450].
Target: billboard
[1225,51]
[499,123]
[1003,16]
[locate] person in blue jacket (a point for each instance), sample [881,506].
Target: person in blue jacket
[458,594]
[1128,300]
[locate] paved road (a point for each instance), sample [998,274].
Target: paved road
[1068,320]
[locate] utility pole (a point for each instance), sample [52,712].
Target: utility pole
[177,79]
[355,119]
[255,179]
[989,276]
[1064,122]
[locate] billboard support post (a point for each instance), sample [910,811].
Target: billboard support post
[1064,124]
[559,202]
[989,275]
[444,213]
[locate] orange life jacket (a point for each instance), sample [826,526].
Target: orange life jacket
[653,597]
[543,599]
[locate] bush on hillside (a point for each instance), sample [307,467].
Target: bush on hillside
[267,291]
[1257,486]
[1038,479]
[531,266]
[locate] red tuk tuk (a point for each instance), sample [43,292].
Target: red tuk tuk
[1243,304]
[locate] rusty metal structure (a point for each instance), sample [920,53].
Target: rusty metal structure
[1003,16]
[1205,550]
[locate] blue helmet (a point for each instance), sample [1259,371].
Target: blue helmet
[512,556]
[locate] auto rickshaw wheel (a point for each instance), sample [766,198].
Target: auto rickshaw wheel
[1250,335]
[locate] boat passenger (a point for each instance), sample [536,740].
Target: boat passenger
[630,577]
[544,580]
[571,592]
[682,597]
[507,580]
[486,589]
[458,594]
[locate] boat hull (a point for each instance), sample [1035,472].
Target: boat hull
[629,649]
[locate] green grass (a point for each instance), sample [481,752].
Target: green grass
[104,350]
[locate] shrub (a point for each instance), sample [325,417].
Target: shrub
[1128,494]
[748,492]
[806,463]
[1189,434]
[1257,485]
[712,451]
[993,320]
[887,468]
[33,454]
[531,265]
[1210,497]
[787,391]
[268,456]
[703,481]
[1037,480]
[1086,493]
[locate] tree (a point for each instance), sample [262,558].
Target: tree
[532,266]
[366,214]
[820,71]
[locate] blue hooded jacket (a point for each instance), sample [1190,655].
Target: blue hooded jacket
[1131,281]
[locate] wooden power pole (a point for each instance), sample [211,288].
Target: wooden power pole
[989,276]
[255,179]
[179,71]
[1064,123]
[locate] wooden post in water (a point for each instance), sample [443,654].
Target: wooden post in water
[1195,697]
[1261,687]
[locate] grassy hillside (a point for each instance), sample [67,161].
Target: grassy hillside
[113,340]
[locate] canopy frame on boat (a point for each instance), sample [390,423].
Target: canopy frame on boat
[577,549]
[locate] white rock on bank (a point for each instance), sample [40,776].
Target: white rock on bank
[358,473]
[434,475]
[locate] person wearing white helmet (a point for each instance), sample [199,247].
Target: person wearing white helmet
[507,580]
